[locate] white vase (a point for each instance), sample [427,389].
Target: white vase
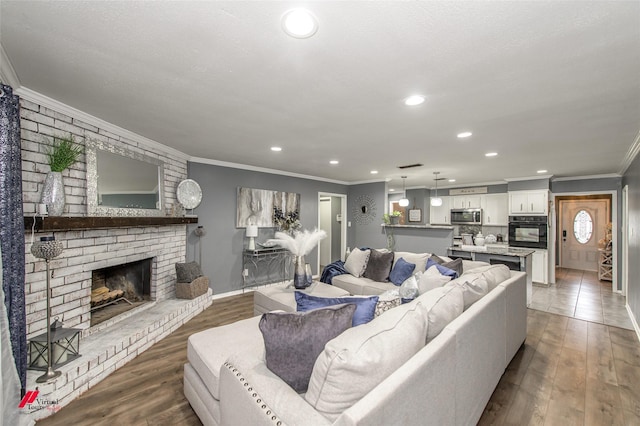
[53,194]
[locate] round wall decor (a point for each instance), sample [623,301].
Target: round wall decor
[189,193]
[364,210]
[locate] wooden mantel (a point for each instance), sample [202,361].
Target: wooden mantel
[68,223]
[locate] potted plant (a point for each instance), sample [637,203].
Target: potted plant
[62,155]
[392,218]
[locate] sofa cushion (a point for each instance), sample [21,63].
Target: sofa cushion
[379,266]
[365,306]
[280,297]
[430,279]
[357,261]
[361,286]
[356,361]
[207,350]
[494,274]
[473,286]
[187,272]
[419,259]
[293,340]
[469,265]
[401,271]
[443,305]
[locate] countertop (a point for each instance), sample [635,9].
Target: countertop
[505,251]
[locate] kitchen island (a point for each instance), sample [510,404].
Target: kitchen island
[517,259]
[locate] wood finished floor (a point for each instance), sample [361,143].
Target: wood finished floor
[568,372]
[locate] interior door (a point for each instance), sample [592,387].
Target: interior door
[583,223]
[325,225]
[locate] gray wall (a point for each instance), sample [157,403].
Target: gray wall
[371,234]
[527,185]
[632,179]
[223,245]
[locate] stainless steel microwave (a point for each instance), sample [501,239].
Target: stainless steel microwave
[466,216]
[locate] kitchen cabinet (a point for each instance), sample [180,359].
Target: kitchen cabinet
[441,215]
[466,202]
[540,267]
[528,202]
[495,209]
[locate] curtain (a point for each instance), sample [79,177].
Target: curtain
[12,243]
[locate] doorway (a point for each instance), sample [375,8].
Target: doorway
[331,211]
[584,226]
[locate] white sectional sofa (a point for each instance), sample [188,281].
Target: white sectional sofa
[448,380]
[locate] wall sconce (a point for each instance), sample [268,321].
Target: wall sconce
[251,232]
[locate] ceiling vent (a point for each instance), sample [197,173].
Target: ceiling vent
[410,166]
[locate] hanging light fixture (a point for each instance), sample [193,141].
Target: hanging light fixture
[436,201]
[404,201]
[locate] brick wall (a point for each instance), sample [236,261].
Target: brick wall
[89,249]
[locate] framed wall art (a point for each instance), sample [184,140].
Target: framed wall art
[415,215]
[257,206]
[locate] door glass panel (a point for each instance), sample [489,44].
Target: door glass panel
[583,226]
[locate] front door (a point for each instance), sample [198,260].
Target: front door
[583,224]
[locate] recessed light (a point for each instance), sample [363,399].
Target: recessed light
[464,135]
[276,149]
[414,100]
[542,171]
[491,154]
[299,23]
[333,162]
[391,189]
[374,172]
[452,180]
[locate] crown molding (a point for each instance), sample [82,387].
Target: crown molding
[537,177]
[7,73]
[40,99]
[603,176]
[262,170]
[631,154]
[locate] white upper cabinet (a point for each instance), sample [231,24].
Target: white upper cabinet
[466,202]
[495,209]
[441,215]
[528,202]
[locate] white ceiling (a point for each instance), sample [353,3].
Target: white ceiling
[547,85]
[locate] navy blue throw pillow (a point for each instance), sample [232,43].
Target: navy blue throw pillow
[401,271]
[365,306]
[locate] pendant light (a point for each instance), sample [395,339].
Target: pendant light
[404,201]
[436,201]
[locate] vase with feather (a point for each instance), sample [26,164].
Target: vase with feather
[300,244]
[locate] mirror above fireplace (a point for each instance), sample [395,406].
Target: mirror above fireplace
[121,182]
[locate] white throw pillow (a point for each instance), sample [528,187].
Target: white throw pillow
[443,304]
[359,359]
[418,259]
[356,263]
[474,287]
[494,274]
[430,279]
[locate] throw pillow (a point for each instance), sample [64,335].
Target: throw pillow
[187,272]
[355,362]
[379,266]
[430,279]
[357,261]
[473,288]
[365,306]
[294,340]
[384,305]
[401,271]
[452,268]
[409,289]
[420,259]
[443,304]
[442,269]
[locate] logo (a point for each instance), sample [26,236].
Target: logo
[29,397]
[32,403]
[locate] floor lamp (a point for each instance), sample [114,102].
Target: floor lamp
[47,248]
[200,232]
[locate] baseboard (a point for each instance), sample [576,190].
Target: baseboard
[633,321]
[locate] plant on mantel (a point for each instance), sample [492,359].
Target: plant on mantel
[62,155]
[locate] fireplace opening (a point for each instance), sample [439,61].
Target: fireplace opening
[119,288]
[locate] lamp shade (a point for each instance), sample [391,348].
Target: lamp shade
[436,201]
[251,231]
[404,202]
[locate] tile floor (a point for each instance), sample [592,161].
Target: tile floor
[579,294]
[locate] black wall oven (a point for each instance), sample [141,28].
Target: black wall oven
[528,231]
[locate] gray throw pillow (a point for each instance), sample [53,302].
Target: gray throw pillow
[293,340]
[379,266]
[455,265]
[187,272]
